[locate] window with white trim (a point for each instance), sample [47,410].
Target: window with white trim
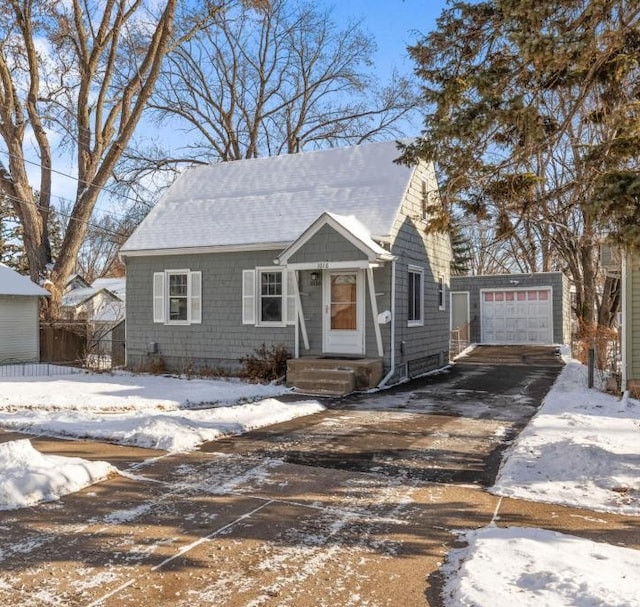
[415,296]
[268,297]
[177,297]
[441,293]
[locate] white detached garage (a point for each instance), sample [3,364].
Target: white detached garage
[511,309]
[19,317]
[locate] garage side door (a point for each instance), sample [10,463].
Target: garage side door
[517,316]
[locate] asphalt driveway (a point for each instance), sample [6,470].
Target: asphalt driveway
[449,427]
[354,506]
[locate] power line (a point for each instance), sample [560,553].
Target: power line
[80,181]
[68,216]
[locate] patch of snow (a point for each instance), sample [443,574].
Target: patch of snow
[579,450]
[533,567]
[29,477]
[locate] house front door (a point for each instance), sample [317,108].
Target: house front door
[343,317]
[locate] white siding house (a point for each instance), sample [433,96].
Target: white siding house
[19,325]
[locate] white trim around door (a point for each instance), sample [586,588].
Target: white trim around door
[343,312]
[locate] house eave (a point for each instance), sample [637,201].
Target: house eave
[241,248]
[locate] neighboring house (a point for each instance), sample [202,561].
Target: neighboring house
[101,302]
[508,309]
[102,305]
[322,252]
[19,317]
[631,323]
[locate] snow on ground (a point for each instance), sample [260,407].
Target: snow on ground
[142,410]
[579,450]
[28,477]
[534,567]
[122,391]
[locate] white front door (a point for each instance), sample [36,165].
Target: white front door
[343,316]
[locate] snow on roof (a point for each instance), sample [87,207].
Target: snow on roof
[77,296]
[117,286]
[360,231]
[12,283]
[273,200]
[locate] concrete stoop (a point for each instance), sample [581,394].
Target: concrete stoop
[333,376]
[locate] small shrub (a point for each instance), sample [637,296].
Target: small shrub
[212,372]
[265,364]
[157,366]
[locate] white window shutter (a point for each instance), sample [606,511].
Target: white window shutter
[248,297]
[158,297]
[291,297]
[195,299]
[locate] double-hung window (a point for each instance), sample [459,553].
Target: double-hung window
[177,297]
[268,297]
[415,296]
[271,303]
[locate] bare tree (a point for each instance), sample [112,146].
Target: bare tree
[266,82]
[76,75]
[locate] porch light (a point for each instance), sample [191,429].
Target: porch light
[315,279]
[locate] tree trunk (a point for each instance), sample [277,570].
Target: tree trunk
[610,303]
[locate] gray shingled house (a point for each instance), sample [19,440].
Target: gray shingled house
[323,252]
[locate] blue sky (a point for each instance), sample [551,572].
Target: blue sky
[395,24]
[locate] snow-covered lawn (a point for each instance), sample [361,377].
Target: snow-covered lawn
[580,450]
[143,410]
[140,410]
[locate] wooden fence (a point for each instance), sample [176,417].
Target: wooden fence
[63,342]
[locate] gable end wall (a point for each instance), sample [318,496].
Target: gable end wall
[423,348]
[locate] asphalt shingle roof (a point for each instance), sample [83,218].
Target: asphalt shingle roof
[273,200]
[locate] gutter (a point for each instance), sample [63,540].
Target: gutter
[392,348]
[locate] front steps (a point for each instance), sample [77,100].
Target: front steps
[333,376]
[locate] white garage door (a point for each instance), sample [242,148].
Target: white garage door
[517,316]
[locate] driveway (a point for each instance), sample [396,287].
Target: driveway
[450,427]
[354,506]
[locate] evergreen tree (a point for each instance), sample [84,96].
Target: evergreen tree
[461,248]
[534,117]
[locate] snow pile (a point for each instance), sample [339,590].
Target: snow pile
[579,450]
[534,567]
[171,430]
[28,477]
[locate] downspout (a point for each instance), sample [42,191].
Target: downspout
[625,322]
[392,347]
